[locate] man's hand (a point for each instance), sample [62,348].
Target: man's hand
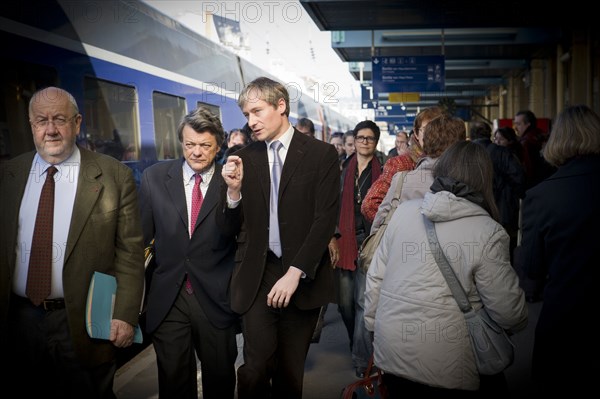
[334,251]
[233,173]
[281,293]
[121,333]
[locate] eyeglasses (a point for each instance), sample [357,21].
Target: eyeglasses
[59,121]
[203,146]
[365,139]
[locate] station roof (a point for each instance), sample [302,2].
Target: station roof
[483,42]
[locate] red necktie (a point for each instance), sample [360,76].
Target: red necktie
[196,205]
[196,202]
[39,277]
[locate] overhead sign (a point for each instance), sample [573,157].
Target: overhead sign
[391,114]
[368,100]
[404,97]
[408,74]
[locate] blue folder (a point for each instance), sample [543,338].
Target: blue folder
[100,305]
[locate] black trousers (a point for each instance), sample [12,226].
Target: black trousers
[276,342]
[186,333]
[41,360]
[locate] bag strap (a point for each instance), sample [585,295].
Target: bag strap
[440,259]
[396,200]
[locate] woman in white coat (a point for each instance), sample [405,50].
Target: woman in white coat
[420,336]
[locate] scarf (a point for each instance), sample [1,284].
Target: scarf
[459,189]
[347,241]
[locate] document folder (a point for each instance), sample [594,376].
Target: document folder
[100,305]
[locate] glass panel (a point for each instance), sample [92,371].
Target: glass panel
[111,119]
[169,110]
[17,84]
[215,110]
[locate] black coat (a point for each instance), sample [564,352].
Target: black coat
[560,221]
[308,207]
[509,182]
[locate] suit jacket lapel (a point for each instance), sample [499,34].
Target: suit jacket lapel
[89,189]
[175,191]
[211,198]
[293,159]
[258,161]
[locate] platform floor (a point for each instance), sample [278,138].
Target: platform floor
[328,365]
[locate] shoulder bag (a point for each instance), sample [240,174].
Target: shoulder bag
[493,349]
[369,245]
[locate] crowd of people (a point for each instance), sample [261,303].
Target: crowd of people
[257,230]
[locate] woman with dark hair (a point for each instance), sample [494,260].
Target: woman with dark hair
[360,170]
[421,338]
[559,223]
[506,137]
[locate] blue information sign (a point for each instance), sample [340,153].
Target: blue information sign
[368,100]
[391,113]
[408,74]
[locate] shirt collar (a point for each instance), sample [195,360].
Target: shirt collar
[285,139]
[188,173]
[40,164]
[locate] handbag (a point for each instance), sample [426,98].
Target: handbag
[493,349]
[370,387]
[369,245]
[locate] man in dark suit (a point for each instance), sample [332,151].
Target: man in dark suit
[95,226]
[283,273]
[188,310]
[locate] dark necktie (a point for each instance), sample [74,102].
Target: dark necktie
[39,277]
[274,239]
[196,205]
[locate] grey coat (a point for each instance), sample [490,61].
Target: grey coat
[420,333]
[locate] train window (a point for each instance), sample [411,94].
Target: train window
[111,119]
[216,111]
[169,110]
[17,83]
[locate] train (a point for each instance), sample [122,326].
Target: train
[134,72]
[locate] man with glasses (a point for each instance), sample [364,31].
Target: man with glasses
[66,212]
[400,144]
[188,311]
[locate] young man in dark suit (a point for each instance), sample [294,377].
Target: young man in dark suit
[188,311]
[283,273]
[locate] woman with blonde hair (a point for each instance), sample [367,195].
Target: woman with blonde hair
[559,223]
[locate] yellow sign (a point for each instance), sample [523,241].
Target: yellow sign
[404,97]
